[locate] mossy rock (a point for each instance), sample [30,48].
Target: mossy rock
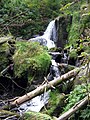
[4,114]
[32,58]
[3,56]
[36,116]
[80,13]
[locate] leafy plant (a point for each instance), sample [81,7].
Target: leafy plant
[27,17]
[85,114]
[76,95]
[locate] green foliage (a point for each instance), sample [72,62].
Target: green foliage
[70,7]
[55,104]
[80,20]
[85,114]
[76,95]
[27,17]
[66,6]
[30,57]
[74,33]
[73,53]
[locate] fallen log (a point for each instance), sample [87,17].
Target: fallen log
[39,90]
[76,107]
[70,67]
[5,39]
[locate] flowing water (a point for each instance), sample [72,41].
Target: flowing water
[47,39]
[37,103]
[49,36]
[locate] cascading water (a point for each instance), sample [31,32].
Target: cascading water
[49,36]
[35,104]
[50,32]
[47,39]
[38,102]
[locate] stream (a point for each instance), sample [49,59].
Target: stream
[47,39]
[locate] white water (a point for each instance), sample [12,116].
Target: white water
[38,102]
[50,32]
[47,39]
[35,104]
[55,69]
[49,36]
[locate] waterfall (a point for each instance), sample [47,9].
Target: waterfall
[50,32]
[49,36]
[47,39]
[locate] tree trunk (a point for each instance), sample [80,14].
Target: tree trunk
[71,111]
[42,88]
[5,39]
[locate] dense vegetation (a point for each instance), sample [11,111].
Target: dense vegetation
[25,18]
[30,58]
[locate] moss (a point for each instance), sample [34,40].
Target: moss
[85,22]
[30,57]
[75,27]
[80,22]
[7,114]
[3,56]
[55,103]
[80,19]
[36,116]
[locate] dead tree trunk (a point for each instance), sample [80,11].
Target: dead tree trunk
[71,111]
[42,88]
[5,39]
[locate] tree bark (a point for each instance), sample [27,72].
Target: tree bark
[5,39]
[76,107]
[64,65]
[42,88]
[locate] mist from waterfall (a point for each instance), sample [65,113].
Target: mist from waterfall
[49,36]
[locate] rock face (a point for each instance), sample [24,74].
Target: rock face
[7,49]
[62,24]
[3,58]
[22,61]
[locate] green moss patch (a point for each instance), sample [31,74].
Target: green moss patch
[30,57]
[36,116]
[55,104]
[3,56]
